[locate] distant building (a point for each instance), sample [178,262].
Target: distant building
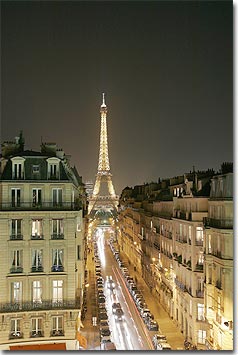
[42,245]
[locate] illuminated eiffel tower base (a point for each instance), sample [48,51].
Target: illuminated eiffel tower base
[103,198]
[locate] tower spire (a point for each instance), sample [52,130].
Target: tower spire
[104,176]
[103,100]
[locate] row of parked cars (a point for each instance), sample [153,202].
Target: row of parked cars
[105,333]
[140,303]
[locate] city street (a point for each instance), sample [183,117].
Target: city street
[131,333]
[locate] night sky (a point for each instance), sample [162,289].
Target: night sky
[166,69]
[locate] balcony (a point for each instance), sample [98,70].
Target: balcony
[44,305]
[44,206]
[218,223]
[57,236]
[37,269]
[16,237]
[16,335]
[56,333]
[36,334]
[57,268]
[37,237]
[16,270]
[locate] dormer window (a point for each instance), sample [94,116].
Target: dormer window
[17,168]
[53,168]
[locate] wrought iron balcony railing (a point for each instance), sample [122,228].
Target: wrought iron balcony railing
[16,237]
[37,237]
[44,305]
[37,269]
[44,206]
[16,269]
[57,268]
[57,236]
[226,223]
[16,335]
[56,333]
[36,334]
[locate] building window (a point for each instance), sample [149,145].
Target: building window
[36,292]
[15,331]
[36,197]
[16,232]
[57,229]
[200,258]
[190,234]
[16,292]
[36,230]
[57,197]
[17,261]
[18,172]
[57,326]
[200,311]
[57,260]
[35,169]
[36,327]
[16,197]
[57,291]
[209,244]
[201,335]
[199,235]
[37,260]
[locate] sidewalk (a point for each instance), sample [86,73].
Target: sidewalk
[166,324]
[90,332]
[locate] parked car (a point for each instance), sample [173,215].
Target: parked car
[105,332]
[163,346]
[119,314]
[104,324]
[158,338]
[102,316]
[152,325]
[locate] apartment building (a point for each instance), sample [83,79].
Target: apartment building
[42,253]
[186,240]
[219,246]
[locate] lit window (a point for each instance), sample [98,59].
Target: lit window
[201,335]
[36,231]
[200,311]
[57,291]
[36,291]
[16,290]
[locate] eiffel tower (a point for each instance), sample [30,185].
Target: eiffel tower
[103,197]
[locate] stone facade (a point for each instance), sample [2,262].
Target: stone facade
[168,240]
[42,245]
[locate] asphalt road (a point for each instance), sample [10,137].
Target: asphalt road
[131,333]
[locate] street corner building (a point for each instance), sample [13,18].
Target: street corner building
[42,254]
